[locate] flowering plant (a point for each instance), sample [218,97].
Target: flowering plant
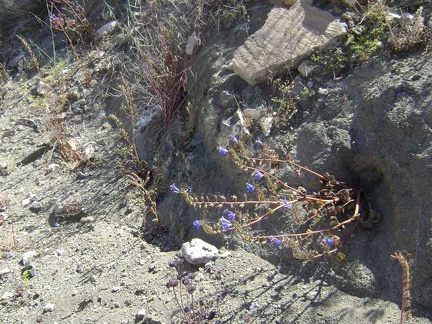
[315,224]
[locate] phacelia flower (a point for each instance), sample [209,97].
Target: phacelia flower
[234,139]
[174,189]
[257,174]
[196,223]
[250,187]
[231,216]
[222,151]
[277,242]
[329,241]
[258,143]
[226,224]
[172,283]
[286,204]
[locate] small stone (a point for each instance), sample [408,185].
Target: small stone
[140,291]
[266,124]
[88,219]
[35,206]
[323,91]
[28,257]
[25,202]
[48,308]
[198,252]
[307,68]
[89,152]
[115,289]
[7,295]
[193,42]
[106,29]
[71,205]
[140,315]
[52,167]
[254,114]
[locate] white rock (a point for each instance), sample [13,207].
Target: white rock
[25,202]
[48,307]
[106,29]
[198,252]
[266,125]
[193,41]
[7,295]
[52,167]
[323,91]
[140,314]
[28,257]
[307,67]
[89,152]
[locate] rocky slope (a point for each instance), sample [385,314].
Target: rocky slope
[79,244]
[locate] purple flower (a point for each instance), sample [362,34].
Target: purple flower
[329,241]
[226,224]
[277,242]
[257,174]
[196,223]
[286,204]
[174,189]
[234,139]
[250,187]
[258,143]
[231,216]
[57,21]
[222,151]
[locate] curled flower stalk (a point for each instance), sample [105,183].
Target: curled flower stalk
[318,223]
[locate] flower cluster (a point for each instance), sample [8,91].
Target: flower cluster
[258,174]
[174,188]
[316,234]
[57,21]
[225,223]
[231,216]
[276,241]
[250,187]
[223,151]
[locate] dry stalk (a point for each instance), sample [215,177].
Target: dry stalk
[403,259]
[30,52]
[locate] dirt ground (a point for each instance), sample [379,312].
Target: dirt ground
[71,238]
[88,262]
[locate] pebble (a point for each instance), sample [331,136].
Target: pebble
[140,314]
[35,206]
[198,252]
[27,258]
[7,295]
[30,198]
[323,91]
[52,167]
[115,289]
[48,307]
